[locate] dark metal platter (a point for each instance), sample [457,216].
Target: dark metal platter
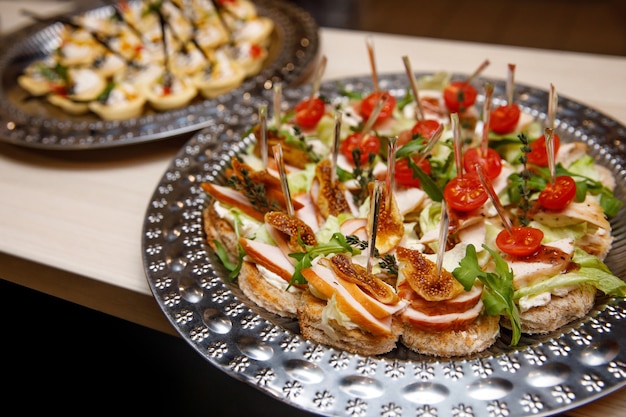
[36,123]
[542,376]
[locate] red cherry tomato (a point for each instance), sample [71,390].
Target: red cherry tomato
[404,174]
[309,112]
[459,96]
[504,119]
[425,128]
[369,103]
[492,163]
[465,193]
[367,145]
[522,241]
[558,195]
[538,154]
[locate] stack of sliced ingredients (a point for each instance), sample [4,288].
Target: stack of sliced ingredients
[379,219]
[160,54]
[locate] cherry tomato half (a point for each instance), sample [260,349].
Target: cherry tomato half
[558,195]
[309,112]
[465,193]
[503,119]
[522,241]
[404,174]
[369,103]
[367,145]
[459,96]
[538,154]
[492,163]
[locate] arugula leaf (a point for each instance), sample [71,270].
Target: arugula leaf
[428,185]
[337,244]
[498,286]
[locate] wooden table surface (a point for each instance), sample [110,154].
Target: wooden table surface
[71,221]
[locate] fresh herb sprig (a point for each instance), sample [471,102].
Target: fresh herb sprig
[254,192]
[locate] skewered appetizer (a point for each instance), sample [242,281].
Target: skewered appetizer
[170,52]
[521,251]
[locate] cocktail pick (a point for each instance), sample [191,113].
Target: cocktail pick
[373,222]
[553,101]
[317,81]
[486,183]
[369,123]
[510,84]
[335,154]
[419,110]
[476,73]
[484,143]
[549,135]
[430,144]
[370,53]
[391,169]
[278,98]
[263,132]
[280,163]
[443,235]
[458,146]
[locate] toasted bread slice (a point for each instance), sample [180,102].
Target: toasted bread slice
[276,299]
[477,337]
[558,312]
[355,341]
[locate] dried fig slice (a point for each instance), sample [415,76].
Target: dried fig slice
[421,274]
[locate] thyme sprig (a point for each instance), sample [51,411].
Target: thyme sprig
[254,192]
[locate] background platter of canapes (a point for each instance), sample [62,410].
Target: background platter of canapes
[171,62]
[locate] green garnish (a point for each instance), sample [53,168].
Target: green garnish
[498,286]
[337,244]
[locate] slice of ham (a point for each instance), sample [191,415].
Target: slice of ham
[377,321]
[459,304]
[269,256]
[441,322]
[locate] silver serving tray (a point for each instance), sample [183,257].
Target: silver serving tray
[542,376]
[38,124]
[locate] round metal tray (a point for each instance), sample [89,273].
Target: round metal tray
[543,375]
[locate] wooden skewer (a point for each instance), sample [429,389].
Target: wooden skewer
[373,222]
[484,144]
[458,146]
[370,52]
[549,135]
[430,144]
[419,110]
[280,163]
[369,123]
[443,235]
[263,131]
[476,73]
[494,198]
[510,84]
[278,97]
[553,101]
[335,155]
[318,79]
[391,169]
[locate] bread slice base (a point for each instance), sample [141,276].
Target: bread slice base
[351,340]
[558,312]
[480,335]
[264,294]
